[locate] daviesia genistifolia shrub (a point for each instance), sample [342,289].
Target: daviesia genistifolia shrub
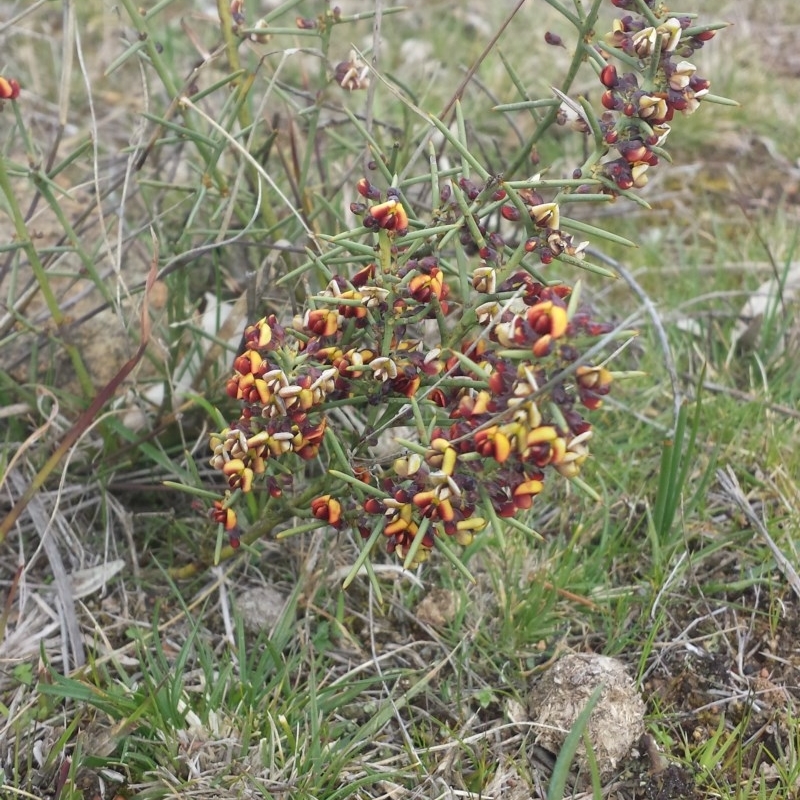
[440,374]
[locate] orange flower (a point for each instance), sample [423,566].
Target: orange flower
[548,318]
[327,508]
[259,334]
[391,216]
[406,384]
[224,516]
[9,89]
[493,442]
[472,405]
[424,286]
[527,490]
[321,321]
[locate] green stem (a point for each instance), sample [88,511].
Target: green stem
[259,529]
[141,23]
[42,183]
[40,274]
[585,28]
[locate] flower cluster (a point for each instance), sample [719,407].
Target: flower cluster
[502,431]
[550,241]
[639,109]
[500,396]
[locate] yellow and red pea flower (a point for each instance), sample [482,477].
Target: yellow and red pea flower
[473,405]
[329,509]
[405,385]
[577,452]
[492,442]
[466,529]
[525,491]
[260,334]
[321,321]
[223,515]
[9,88]
[544,446]
[350,311]
[424,286]
[390,215]
[593,384]
[239,475]
[401,544]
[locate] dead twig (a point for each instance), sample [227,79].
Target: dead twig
[730,486]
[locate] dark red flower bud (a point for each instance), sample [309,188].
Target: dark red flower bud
[609,100]
[373,506]
[496,241]
[532,244]
[402,496]
[608,76]
[471,189]
[511,213]
[364,275]
[366,189]
[531,197]
[633,150]
[553,39]
[438,397]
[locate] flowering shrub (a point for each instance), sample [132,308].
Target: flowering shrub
[389,340]
[442,329]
